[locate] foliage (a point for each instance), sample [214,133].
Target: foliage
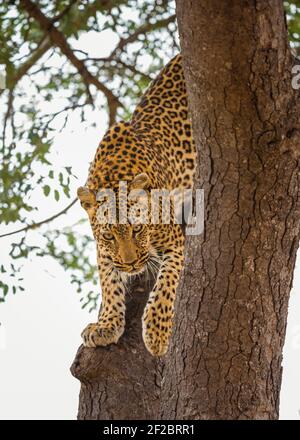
[293,18]
[44,89]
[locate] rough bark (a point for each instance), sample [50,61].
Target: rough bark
[231,309]
[233,298]
[119,381]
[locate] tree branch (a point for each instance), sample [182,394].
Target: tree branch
[38,224]
[142,30]
[8,113]
[60,41]
[30,62]
[46,44]
[119,62]
[64,11]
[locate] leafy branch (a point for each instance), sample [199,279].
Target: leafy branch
[42,222]
[60,41]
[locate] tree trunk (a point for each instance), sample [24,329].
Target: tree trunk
[226,354]
[231,310]
[119,382]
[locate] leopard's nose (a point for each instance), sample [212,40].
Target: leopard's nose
[130,260]
[133,263]
[127,253]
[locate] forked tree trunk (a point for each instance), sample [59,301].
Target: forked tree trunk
[233,299]
[231,310]
[119,381]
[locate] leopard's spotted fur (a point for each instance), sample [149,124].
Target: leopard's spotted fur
[154,150]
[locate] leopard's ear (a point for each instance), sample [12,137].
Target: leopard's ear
[141,181]
[86,195]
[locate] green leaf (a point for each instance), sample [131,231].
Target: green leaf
[46,190]
[67,191]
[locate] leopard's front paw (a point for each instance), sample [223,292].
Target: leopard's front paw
[156,333]
[97,334]
[156,342]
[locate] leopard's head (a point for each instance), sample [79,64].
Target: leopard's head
[126,245]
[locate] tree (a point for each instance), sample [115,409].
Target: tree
[247,130]
[226,352]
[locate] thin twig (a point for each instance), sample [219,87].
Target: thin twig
[33,58]
[142,30]
[64,12]
[130,67]
[38,224]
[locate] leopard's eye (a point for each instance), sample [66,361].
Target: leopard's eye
[86,205]
[137,228]
[108,236]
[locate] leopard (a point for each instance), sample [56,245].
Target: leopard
[153,150]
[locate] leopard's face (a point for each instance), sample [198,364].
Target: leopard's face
[127,246]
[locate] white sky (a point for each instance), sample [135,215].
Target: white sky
[40,329]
